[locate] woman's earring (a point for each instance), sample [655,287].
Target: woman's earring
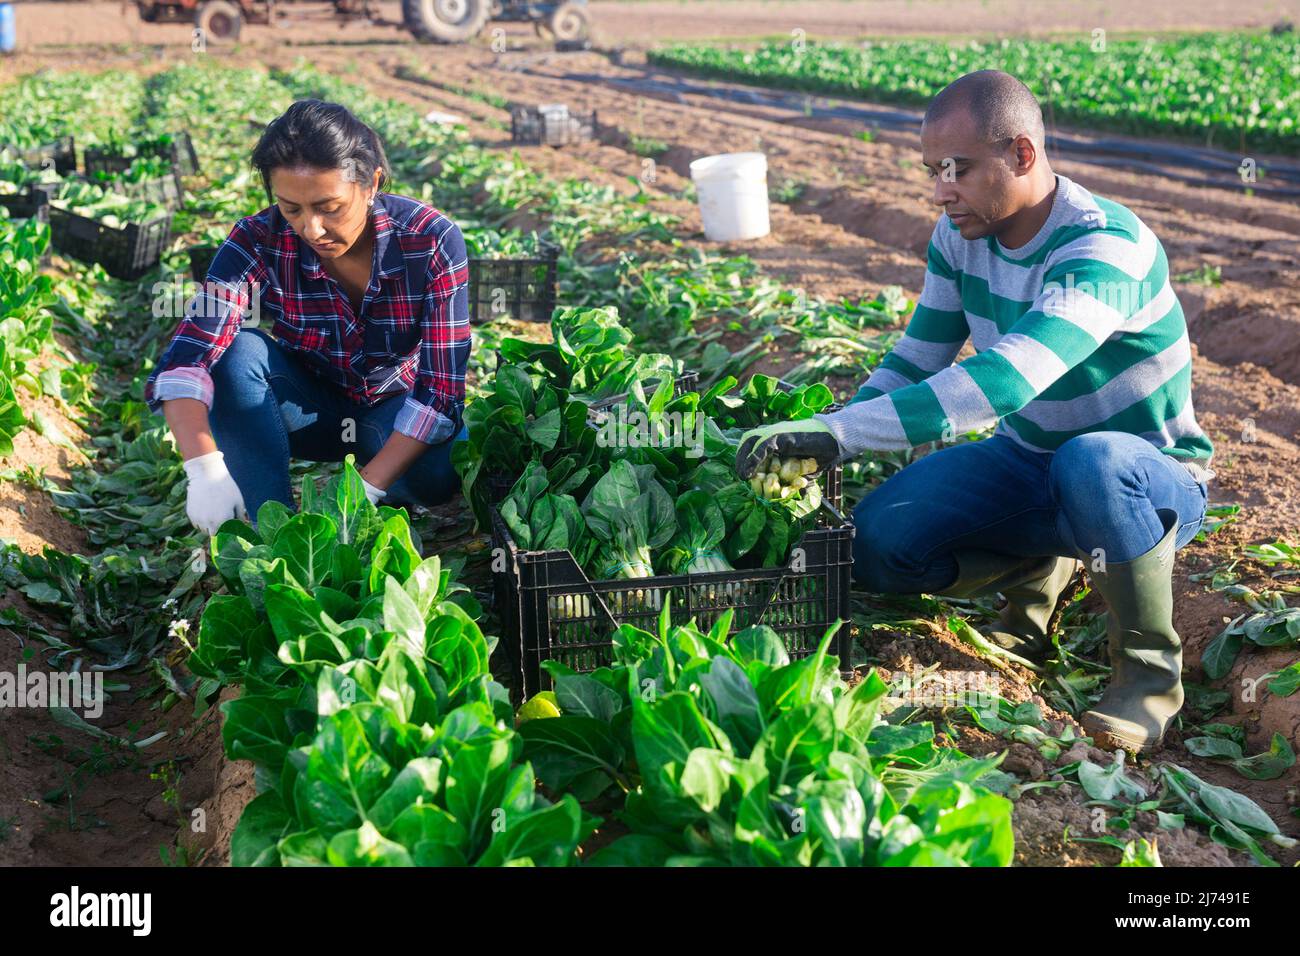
[370,201]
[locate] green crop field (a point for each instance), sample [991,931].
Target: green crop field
[1227,90]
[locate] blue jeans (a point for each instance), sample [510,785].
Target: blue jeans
[1098,490]
[268,407]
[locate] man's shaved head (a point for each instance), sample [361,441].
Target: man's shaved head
[1000,106]
[982,143]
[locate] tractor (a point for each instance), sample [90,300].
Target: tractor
[432,21]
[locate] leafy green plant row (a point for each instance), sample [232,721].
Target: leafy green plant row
[31,311]
[1225,89]
[378,734]
[718,750]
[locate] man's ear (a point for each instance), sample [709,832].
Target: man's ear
[1025,152]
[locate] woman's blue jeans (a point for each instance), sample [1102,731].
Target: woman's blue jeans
[1101,490]
[268,407]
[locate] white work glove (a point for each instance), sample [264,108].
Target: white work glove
[212,497]
[373,494]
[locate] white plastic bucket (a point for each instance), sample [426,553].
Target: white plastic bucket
[732,191]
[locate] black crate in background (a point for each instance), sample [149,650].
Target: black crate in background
[551,610]
[125,253]
[62,154]
[163,190]
[32,201]
[180,152]
[522,288]
[533,126]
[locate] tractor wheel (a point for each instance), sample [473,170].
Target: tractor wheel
[445,21]
[149,12]
[569,21]
[220,21]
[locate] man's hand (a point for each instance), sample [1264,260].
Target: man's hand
[806,438]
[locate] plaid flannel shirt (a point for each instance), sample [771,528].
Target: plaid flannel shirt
[412,334]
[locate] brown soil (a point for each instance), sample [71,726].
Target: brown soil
[69,799]
[27,515]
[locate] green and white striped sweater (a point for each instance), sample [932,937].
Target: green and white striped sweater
[1076,331]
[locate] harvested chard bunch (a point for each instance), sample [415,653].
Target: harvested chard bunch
[697,546]
[780,478]
[629,513]
[540,520]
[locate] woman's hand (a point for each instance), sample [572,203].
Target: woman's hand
[212,497]
[397,455]
[373,494]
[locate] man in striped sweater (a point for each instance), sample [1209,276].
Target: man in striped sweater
[1083,362]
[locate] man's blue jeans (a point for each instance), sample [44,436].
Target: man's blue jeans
[1101,490]
[268,407]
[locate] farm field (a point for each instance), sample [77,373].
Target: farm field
[204,644]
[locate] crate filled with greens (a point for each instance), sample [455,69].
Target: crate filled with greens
[537,406]
[552,124]
[115,156]
[626,507]
[25,189]
[151,178]
[126,236]
[575,574]
[60,156]
[32,200]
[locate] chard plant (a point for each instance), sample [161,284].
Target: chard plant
[367,705]
[717,749]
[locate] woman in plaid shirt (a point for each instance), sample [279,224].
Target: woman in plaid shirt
[366,345]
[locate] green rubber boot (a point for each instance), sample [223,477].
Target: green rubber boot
[1146,656]
[1032,587]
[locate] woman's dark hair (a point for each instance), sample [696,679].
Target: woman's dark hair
[320,135]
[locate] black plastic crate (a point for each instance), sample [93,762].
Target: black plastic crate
[551,125]
[201,257]
[180,151]
[125,253]
[551,610]
[20,207]
[32,201]
[163,190]
[62,153]
[499,484]
[524,288]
